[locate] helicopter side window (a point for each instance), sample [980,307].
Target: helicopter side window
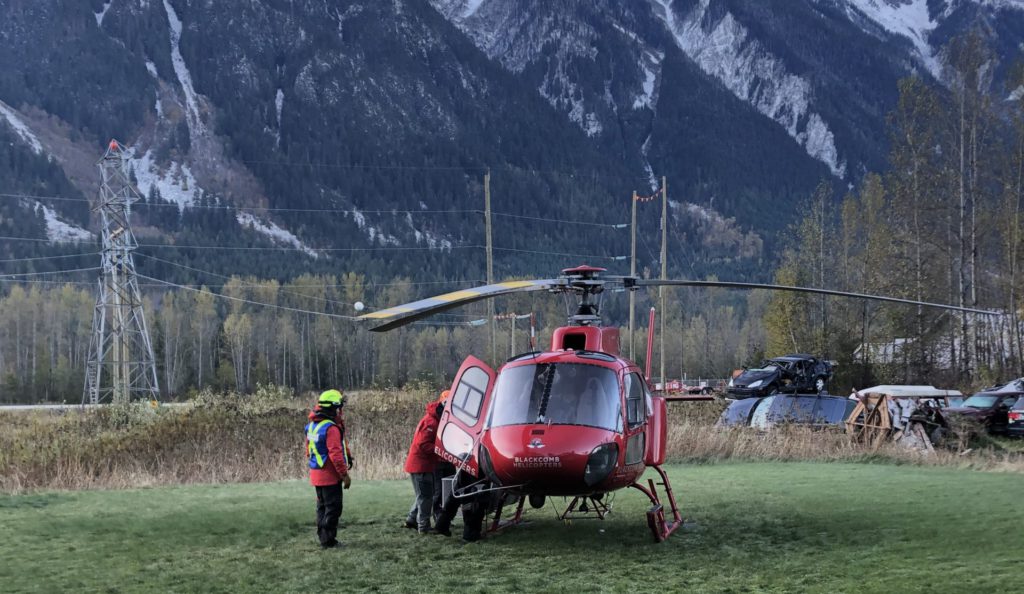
[636,401]
[469,395]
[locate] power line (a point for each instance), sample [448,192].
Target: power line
[249,301]
[10,238]
[284,307]
[50,272]
[349,210]
[295,249]
[243,283]
[460,168]
[371,167]
[395,284]
[561,221]
[559,254]
[62,198]
[212,286]
[60,257]
[275,248]
[284,288]
[325,286]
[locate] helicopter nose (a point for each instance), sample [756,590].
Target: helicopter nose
[549,458]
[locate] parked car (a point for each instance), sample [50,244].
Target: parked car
[802,409]
[991,409]
[792,373]
[1015,419]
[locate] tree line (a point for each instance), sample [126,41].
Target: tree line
[941,224]
[300,334]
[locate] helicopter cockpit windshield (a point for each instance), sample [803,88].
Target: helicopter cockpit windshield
[557,394]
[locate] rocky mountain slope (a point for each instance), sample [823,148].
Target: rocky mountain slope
[349,132]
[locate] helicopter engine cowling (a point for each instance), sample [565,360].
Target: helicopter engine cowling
[553,459]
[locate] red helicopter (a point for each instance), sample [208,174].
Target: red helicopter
[578,420]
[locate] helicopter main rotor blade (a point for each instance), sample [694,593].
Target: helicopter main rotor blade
[400,315]
[732,285]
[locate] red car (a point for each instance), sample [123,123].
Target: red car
[991,409]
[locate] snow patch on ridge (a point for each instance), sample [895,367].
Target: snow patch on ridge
[644,149]
[724,50]
[375,234]
[1016,94]
[1001,4]
[471,7]
[906,19]
[151,68]
[176,184]
[274,232]
[59,231]
[99,15]
[820,143]
[20,128]
[278,104]
[562,93]
[646,96]
[433,240]
[195,124]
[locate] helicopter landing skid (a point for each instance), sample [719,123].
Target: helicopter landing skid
[585,507]
[661,528]
[497,524]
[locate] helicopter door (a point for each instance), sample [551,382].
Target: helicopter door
[462,421]
[636,418]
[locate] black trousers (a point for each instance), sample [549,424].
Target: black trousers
[328,511]
[443,470]
[473,511]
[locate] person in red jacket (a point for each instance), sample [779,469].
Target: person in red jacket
[329,463]
[420,464]
[442,470]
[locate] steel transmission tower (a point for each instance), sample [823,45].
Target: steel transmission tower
[121,363]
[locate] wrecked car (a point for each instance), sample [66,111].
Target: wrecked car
[909,415]
[791,374]
[816,410]
[1015,419]
[990,409]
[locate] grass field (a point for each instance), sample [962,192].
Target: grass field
[754,527]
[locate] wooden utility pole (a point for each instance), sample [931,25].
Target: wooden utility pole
[490,264]
[664,270]
[632,272]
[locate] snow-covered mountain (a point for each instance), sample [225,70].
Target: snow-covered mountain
[392,111]
[791,61]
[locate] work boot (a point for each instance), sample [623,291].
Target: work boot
[410,525]
[443,531]
[427,531]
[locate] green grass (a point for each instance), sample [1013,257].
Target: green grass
[755,528]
